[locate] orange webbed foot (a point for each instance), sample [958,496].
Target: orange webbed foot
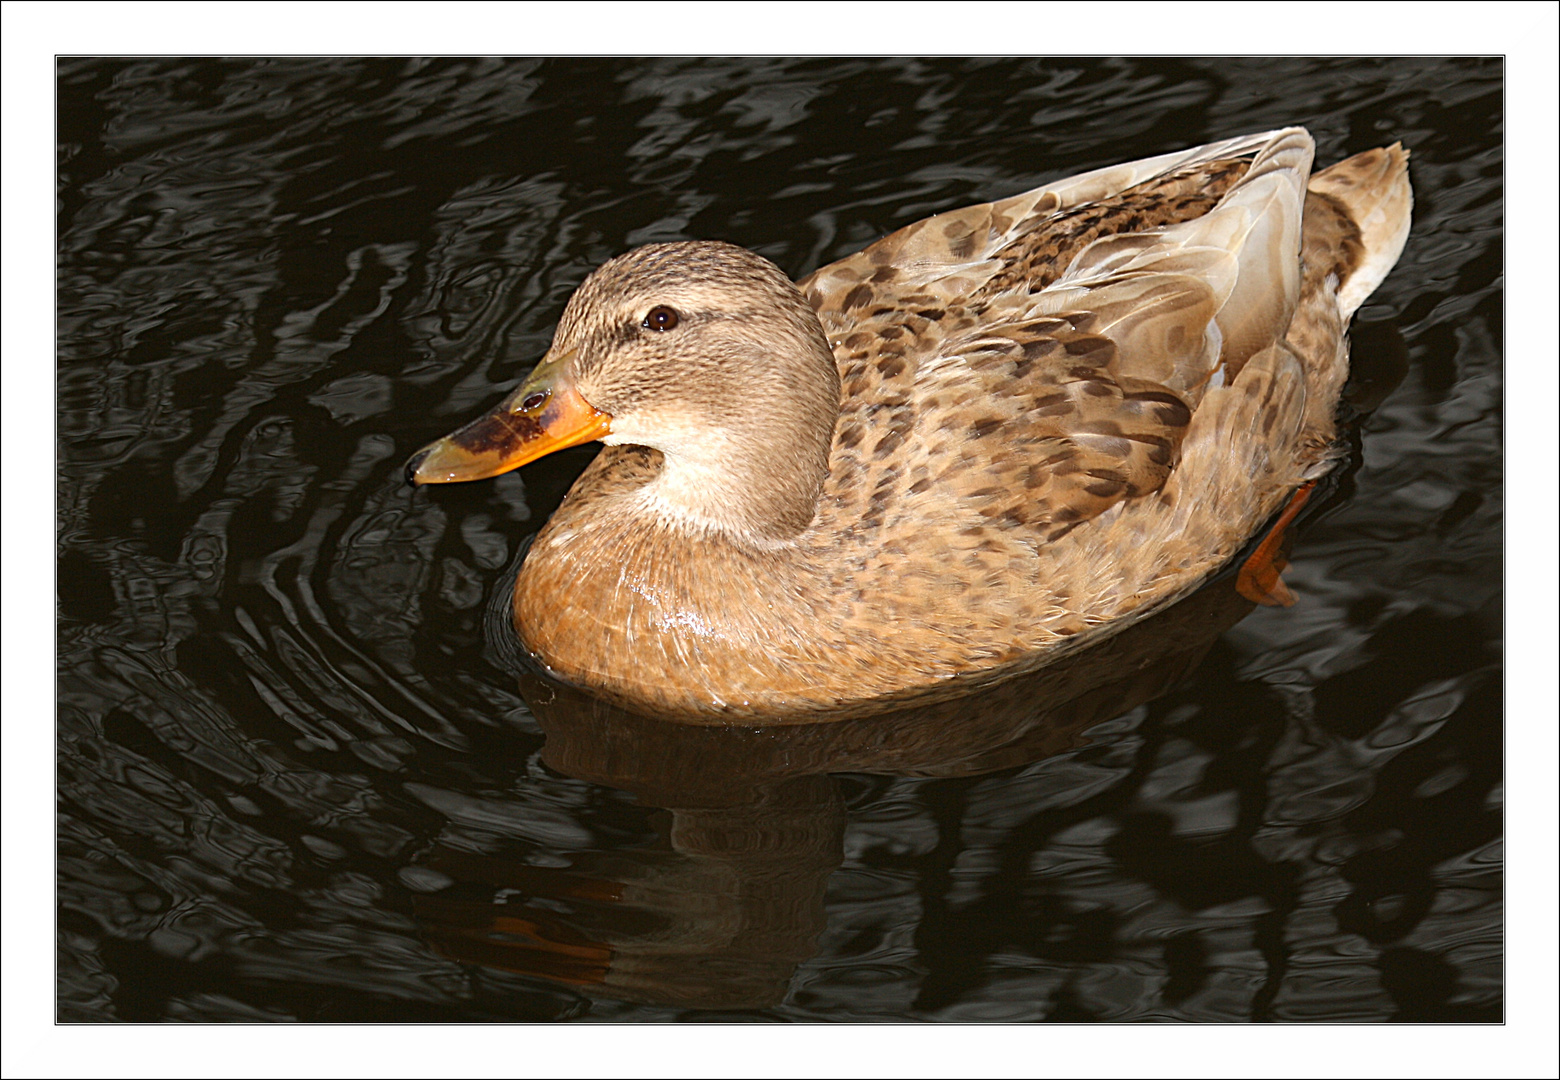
[1259,580]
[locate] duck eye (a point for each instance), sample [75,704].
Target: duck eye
[661,318]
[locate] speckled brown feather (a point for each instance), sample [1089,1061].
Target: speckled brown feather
[1057,412]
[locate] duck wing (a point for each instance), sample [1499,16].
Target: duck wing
[1025,365]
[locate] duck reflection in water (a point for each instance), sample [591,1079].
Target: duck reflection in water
[720,912]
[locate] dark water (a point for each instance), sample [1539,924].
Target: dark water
[298,776]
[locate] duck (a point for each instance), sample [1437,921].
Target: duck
[985,441]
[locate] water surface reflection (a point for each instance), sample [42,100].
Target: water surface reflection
[721,909]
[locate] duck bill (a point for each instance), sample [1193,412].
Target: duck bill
[544,415]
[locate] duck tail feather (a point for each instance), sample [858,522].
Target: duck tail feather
[1374,188]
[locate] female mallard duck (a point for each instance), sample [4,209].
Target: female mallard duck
[987,439]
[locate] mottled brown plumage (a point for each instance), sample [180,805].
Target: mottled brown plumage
[988,438]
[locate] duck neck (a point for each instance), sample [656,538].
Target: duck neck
[760,499]
[756,474]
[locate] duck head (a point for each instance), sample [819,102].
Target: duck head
[703,351]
